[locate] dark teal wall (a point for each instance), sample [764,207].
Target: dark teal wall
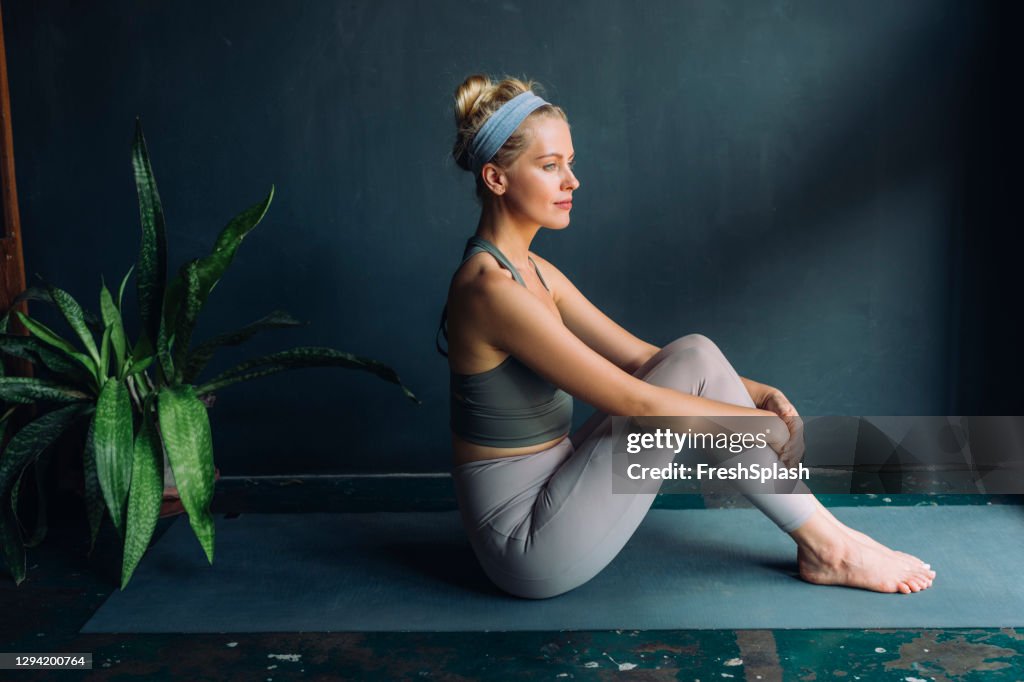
[820,187]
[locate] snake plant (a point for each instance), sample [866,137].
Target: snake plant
[144,402]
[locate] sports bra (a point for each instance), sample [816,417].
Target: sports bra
[509,405]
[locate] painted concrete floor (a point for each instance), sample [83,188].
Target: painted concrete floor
[64,587]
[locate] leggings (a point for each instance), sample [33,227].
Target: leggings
[545,523]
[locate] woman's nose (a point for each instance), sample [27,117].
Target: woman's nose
[571,181]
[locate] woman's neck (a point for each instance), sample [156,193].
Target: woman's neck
[512,239]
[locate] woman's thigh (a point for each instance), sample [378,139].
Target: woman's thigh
[575,525]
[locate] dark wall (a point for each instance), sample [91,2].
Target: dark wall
[819,187]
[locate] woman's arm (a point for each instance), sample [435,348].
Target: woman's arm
[593,327]
[518,323]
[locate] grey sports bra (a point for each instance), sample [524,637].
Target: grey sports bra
[509,405]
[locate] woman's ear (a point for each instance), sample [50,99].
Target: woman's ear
[494,178]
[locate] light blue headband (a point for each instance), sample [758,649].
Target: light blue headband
[499,127]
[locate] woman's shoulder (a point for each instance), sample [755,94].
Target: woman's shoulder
[477,270]
[475,278]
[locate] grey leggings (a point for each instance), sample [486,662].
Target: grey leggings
[545,523]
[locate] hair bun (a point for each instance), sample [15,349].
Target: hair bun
[476,99]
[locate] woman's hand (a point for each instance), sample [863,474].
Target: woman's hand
[793,450]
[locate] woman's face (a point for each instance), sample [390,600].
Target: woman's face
[541,181]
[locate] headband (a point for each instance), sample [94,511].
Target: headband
[499,127]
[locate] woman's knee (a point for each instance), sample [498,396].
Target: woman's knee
[685,367]
[698,342]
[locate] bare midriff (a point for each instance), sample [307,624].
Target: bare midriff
[465,451]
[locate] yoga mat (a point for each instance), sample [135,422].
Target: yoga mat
[683,569]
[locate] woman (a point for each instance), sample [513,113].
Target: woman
[536,502]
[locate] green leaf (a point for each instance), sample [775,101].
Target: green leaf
[113,444]
[5,419]
[145,495]
[105,353]
[47,335]
[200,357]
[163,351]
[299,358]
[185,430]
[39,533]
[27,443]
[27,390]
[72,312]
[187,315]
[152,260]
[35,351]
[112,322]
[41,294]
[211,268]
[140,366]
[93,493]
[120,291]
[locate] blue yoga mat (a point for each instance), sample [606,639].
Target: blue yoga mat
[683,569]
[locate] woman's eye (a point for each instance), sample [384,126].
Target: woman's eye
[550,166]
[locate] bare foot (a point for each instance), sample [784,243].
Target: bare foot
[827,555]
[862,536]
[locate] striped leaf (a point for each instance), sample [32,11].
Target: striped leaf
[164,340]
[211,268]
[94,507]
[140,366]
[299,358]
[112,321]
[201,356]
[187,313]
[42,463]
[145,495]
[5,419]
[24,446]
[27,390]
[72,312]
[41,294]
[152,277]
[35,351]
[47,335]
[105,353]
[112,442]
[185,431]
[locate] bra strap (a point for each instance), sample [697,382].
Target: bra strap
[540,275]
[473,245]
[476,243]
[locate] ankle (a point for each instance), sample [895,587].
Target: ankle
[818,535]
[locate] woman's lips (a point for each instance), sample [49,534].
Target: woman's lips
[564,204]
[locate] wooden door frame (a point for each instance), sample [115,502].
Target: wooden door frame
[12,263]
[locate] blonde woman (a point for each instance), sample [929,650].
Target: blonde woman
[537,502]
